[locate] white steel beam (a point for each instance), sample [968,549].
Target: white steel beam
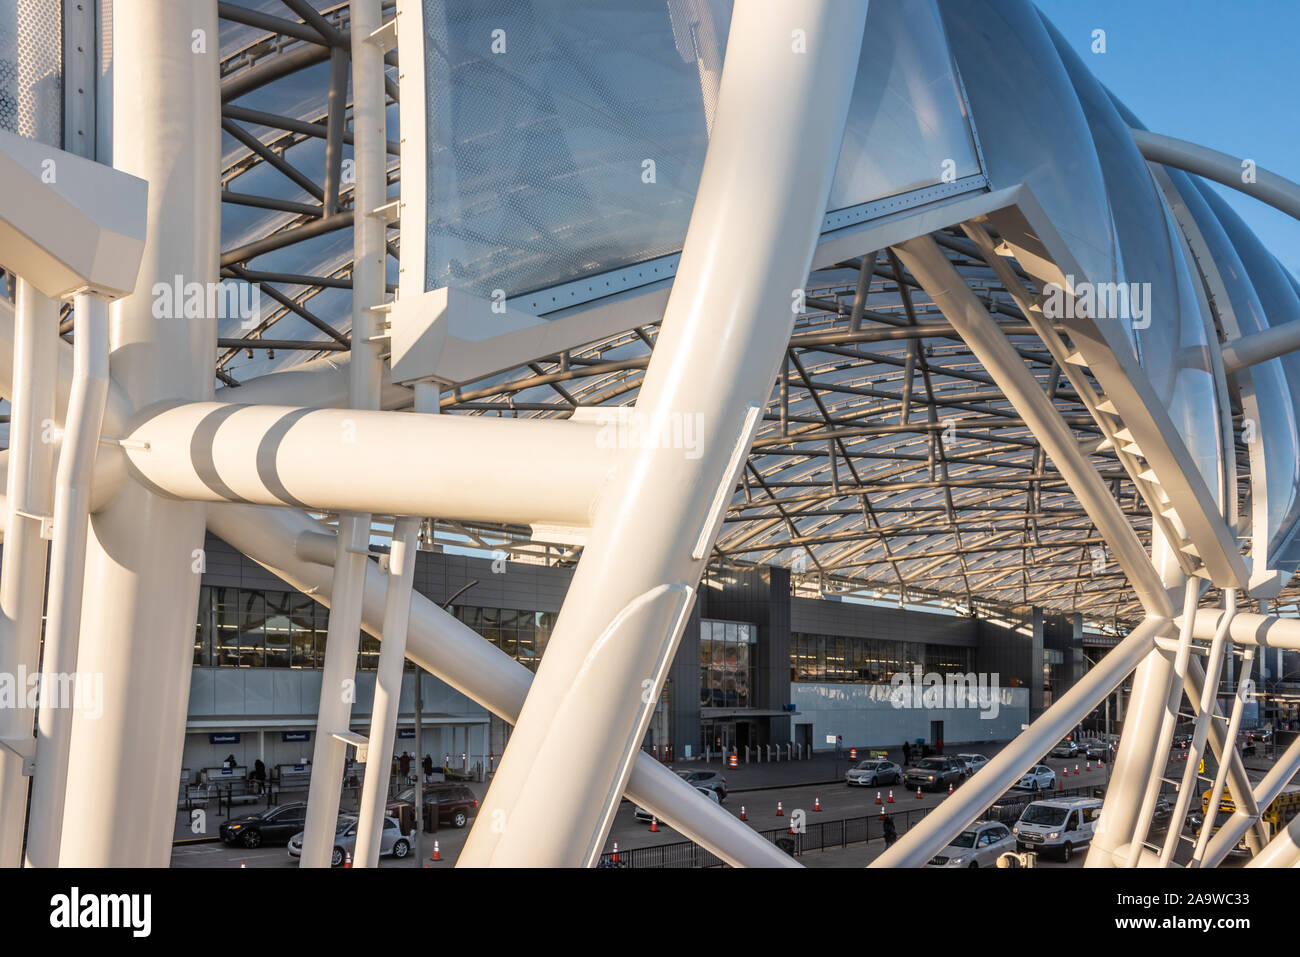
[446,647]
[1276,191]
[29,486]
[388,692]
[391,463]
[945,822]
[369,253]
[61,681]
[748,247]
[1241,821]
[145,554]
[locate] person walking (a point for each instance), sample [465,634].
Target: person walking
[907,754]
[891,834]
[428,768]
[404,765]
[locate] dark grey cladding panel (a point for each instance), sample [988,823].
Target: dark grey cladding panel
[814,616]
[226,567]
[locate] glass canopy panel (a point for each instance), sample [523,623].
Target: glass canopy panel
[1030,126]
[1280,303]
[538,157]
[1277,441]
[1168,330]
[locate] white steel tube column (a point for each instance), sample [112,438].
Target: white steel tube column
[786,85]
[145,556]
[369,250]
[388,693]
[29,486]
[60,683]
[444,646]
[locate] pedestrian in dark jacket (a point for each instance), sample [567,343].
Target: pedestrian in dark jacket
[907,753]
[404,765]
[428,766]
[891,835]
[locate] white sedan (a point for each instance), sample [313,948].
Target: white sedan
[391,841]
[979,845]
[874,772]
[1038,778]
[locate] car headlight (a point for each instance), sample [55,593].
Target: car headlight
[236,827]
[1015,830]
[930,778]
[1054,835]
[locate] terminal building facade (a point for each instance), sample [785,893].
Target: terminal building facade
[757,666]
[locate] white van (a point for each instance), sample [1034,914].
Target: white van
[1058,826]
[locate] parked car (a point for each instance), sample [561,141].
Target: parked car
[272,826]
[711,780]
[1066,749]
[935,773]
[1038,778]
[973,762]
[979,845]
[391,842]
[1058,825]
[641,814]
[874,772]
[1093,748]
[456,803]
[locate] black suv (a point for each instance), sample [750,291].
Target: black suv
[935,773]
[273,826]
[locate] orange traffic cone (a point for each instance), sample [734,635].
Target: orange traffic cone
[1076,769]
[242,864]
[742,813]
[1088,766]
[878,797]
[1065,772]
[817,804]
[616,852]
[950,789]
[347,860]
[882,812]
[918,792]
[654,824]
[779,812]
[891,796]
[437,852]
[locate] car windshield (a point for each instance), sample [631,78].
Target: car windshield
[343,824]
[1044,814]
[868,765]
[964,839]
[932,764]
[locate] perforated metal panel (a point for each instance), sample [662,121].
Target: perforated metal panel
[31,69]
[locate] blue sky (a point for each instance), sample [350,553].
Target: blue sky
[1222,74]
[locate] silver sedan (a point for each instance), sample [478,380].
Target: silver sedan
[391,842]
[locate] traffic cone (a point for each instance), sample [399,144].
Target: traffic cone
[654,824]
[918,793]
[1088,766]
[1076,769]
[437,852]
[616,852]
[853,754]
[878,797]
[779,812]
[242,864]
[891,796]
[347,859]
[1065,772]
[742,813]
[950,789]
[817,804]
[882,812]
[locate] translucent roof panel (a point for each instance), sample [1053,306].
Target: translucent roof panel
[574,145]
[1029,123]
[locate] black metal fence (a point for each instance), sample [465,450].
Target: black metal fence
[813,834]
